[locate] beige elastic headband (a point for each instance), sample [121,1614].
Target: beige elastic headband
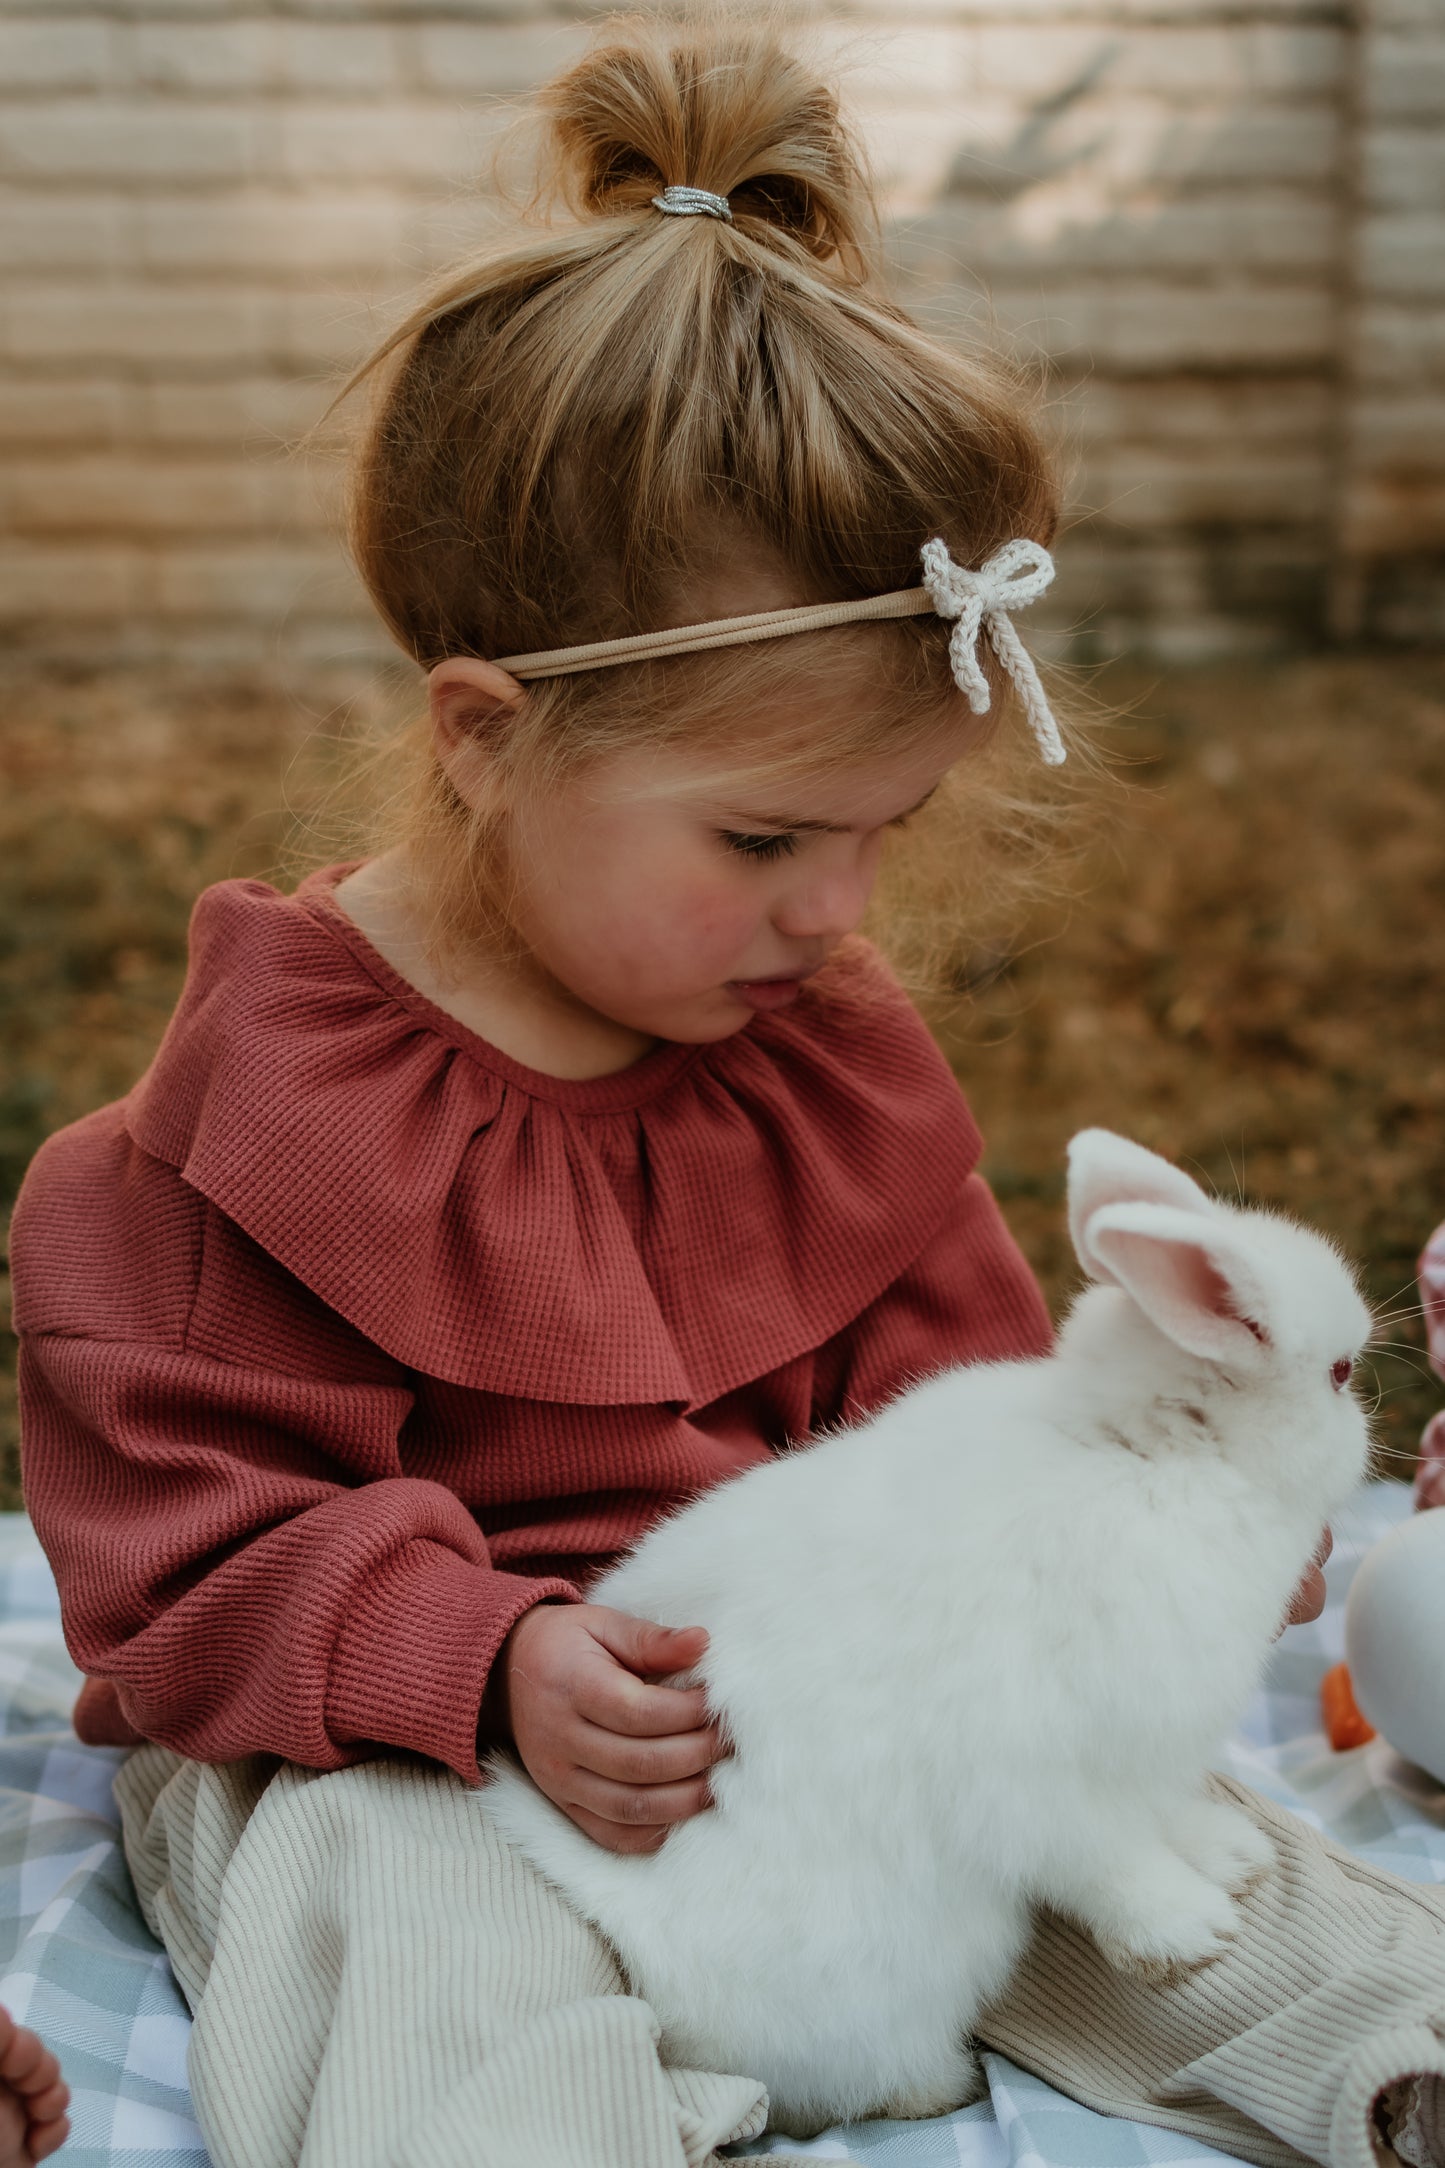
[978,601]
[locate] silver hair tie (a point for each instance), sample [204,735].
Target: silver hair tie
[693,203]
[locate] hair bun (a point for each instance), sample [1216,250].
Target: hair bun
[719,105]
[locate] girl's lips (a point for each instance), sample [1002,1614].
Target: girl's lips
[767,993]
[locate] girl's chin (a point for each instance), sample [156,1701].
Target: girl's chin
[715,1013]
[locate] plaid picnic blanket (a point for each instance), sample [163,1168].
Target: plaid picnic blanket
[77,1963]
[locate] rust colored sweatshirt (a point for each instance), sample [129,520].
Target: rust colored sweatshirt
[345,1338]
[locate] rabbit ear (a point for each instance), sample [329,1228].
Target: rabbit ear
[1190,1275]
[1105,1169]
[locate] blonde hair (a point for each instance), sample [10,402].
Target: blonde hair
[578,434]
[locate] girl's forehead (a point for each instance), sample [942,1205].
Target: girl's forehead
[789,785]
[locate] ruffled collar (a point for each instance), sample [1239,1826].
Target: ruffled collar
[663,1234]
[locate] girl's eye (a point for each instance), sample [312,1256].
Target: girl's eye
[779,846]
[1341,1373]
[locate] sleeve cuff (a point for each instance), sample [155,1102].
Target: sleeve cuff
[411,1663]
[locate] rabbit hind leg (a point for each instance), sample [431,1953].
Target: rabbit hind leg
[940,2093]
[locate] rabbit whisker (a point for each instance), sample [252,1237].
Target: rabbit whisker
[1393,1352]
[1397,1299]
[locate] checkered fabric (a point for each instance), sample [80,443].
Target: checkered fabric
[77,1963]
[76,1960]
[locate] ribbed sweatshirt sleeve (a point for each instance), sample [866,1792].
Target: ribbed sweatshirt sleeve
[242,1597]
[236,1544]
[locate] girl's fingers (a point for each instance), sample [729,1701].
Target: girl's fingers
[1308,1600]
[32,2074]
[626,1759]
[48,2139]
[613,1836]
[1312,1594]
[612,1698]
[26,2063]
[637,1806]
[643,1645]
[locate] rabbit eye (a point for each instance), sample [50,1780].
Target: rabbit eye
[1341,1373]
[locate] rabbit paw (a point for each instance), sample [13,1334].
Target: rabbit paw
[1222,1842]
[1162,1919]
[1175,1943]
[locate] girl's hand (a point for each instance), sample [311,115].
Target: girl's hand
[1309,1598]
[624,1760]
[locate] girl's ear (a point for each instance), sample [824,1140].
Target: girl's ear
[1105,1169]
[1190,1275]
[469,697]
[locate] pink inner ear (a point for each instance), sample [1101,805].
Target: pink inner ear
[1215,1295]
[1177,1269]
[1188,1272]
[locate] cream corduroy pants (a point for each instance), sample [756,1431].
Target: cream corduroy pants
[380,1981]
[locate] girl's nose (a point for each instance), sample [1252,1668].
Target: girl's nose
[827,906]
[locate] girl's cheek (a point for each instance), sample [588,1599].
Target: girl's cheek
[714,915]
[693,925]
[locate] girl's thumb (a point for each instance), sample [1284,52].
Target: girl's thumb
[643,1645]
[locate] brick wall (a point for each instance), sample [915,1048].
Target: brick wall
[1390,577]
[1219,223]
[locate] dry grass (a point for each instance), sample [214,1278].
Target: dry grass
[1251,980]
[1250,977]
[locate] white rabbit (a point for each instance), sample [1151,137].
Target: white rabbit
[979,1653]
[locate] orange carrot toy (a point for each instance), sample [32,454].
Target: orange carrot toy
[1344,1725]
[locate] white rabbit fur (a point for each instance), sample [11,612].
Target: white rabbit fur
[979,1653]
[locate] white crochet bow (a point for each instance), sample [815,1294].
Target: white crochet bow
[1015,575]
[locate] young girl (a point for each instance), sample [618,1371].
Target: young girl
[507,1185]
